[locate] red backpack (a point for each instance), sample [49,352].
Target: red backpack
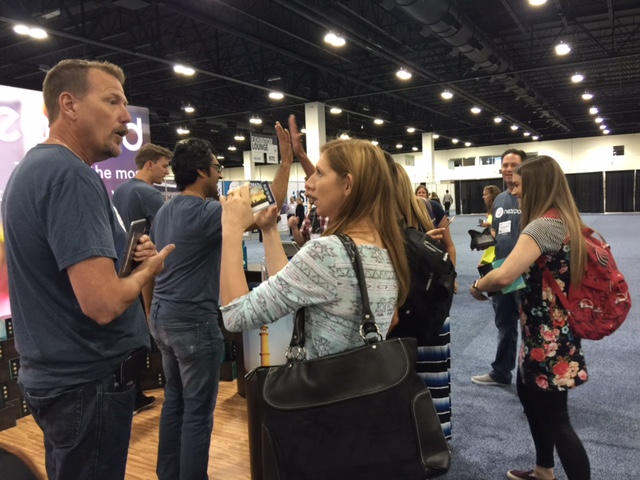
[601,303]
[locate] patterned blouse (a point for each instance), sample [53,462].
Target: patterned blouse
[321,277]
[551,358]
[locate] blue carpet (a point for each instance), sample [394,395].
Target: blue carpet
[490,432]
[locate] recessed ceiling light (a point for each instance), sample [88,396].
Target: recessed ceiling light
[475,110]
[526,134]
[599,119]
[410,129]
[593,110]
[587,96]
[335,110]
[436,136]
[183,70]
[447,95]
[378,121]
[276,95]
[497,119]
[577,78]
[562,48]
[402,74]
[454,140]
[514,127]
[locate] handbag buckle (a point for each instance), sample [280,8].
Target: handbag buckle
[371,336]
[295,353]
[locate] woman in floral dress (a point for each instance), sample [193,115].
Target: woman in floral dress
[551,360]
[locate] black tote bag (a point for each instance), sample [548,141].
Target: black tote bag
[359,414]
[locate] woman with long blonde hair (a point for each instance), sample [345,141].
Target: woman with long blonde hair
[551,361]
[351,185]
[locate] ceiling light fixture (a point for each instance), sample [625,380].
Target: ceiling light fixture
[475,109]
[303,130]
[182,131]
[374,142]
[436,136]
[402,74]
[183,70]
[497,119]
[410,129]
[577,77]
[239,137]
[335,110]
[276,95]
[344,136]
[467,144]
[603,127]
[587,96]
[535,137]
[526,134]
[605,131]
[255,120]
[454,140]
[378,121]
[514,127]
[334,39]
[537,3]
[447,95]
[399,146]
[187,107]
[220,157]
[599,119]
[562,48]
[32,32]
[232,148]
[415,149]
[593,110]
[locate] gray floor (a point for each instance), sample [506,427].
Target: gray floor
[490,432]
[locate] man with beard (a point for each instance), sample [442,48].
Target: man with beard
[184,309]
[79,328]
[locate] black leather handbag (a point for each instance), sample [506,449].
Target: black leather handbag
[481,240]
[360,414]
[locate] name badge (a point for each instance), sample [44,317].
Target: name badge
[504,228]
[315,236]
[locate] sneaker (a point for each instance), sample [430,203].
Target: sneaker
[485,379]
[143,404]
[521,475]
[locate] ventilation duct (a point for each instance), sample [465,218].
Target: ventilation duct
[444,19]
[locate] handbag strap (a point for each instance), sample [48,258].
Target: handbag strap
[368,328]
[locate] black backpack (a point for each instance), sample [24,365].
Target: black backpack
[431,294]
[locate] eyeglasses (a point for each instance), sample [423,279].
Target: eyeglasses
[218,167]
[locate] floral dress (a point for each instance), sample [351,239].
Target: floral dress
[551,357]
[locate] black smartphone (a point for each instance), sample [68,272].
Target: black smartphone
[136,230]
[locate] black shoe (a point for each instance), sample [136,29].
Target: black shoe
[143,403]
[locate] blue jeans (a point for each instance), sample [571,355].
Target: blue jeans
[86,428]
[191,355]
[507,310]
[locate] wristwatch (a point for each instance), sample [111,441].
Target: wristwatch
[475,285]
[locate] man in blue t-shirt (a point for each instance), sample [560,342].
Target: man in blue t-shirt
[184,309]
[78,327]
[138,199]
[506,229]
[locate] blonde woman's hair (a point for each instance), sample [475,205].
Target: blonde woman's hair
[413,210]
[494,192]
[71,76]
[544,186]
[372,187]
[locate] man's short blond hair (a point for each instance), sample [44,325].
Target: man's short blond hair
[151,152]
[71,76]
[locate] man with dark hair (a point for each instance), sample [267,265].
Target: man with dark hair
[447,201]
[79,328]
[138,199]
[184,318]
[506,229]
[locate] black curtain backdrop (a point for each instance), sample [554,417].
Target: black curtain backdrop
[637,206]
[619,191]
[588,191]
[469,195]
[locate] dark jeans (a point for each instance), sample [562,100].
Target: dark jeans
[507,310]
[86,428]
[191,354]
[548,417]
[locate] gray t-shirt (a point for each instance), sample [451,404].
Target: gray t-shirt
[506,223]
[189,286]
[56,214]
[135,199]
